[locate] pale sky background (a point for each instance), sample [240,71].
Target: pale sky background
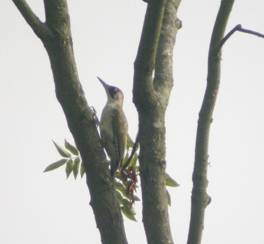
[47,208]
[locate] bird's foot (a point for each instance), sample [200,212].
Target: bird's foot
[94,116]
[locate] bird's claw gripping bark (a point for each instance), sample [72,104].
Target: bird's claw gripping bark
[94,116]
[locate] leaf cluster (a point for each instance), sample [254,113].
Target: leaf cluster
[71,159]
[125,181]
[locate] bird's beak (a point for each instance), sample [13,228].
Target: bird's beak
[104,84]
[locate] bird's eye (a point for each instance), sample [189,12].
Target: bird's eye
[113,90]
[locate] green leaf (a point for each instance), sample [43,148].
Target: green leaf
[124,159]
[120,187]
[69,167]
[62,151]
[134,161]
[126,203]
[123,190]
[119,197]
[82,170]
[170,182]
[137,169]
[129,213]
[118,175]
[55,165]
[168,198]
[75,168]
[71,148]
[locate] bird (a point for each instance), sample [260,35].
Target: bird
[113,126]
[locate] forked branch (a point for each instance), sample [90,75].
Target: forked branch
[241,29]
[152,85]
[40,28]
[79,116]
[146,56]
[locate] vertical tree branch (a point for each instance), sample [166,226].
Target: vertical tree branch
[200,198]
[163,80]
[154,58]
[80,120]
[146,56]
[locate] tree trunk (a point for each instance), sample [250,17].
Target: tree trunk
[151,97]
[55,34]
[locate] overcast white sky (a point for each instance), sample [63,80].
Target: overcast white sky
[46,208]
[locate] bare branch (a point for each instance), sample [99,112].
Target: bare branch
[40,28]
[241,29]
[200,198]
[145,61]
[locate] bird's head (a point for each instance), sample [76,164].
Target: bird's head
[114,94]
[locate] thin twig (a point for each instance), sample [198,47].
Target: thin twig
[241,29]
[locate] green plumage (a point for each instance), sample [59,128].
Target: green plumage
[113,126]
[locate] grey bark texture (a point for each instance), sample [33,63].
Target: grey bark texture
[55,34]
[200,198]
[153,82]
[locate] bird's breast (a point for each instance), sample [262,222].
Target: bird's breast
[109,114]
[106,122]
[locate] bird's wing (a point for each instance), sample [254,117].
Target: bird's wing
[119,124]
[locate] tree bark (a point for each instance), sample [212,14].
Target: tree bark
[55,34]
[200,198]
[151,95]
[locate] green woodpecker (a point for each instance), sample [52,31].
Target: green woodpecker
[113,126]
